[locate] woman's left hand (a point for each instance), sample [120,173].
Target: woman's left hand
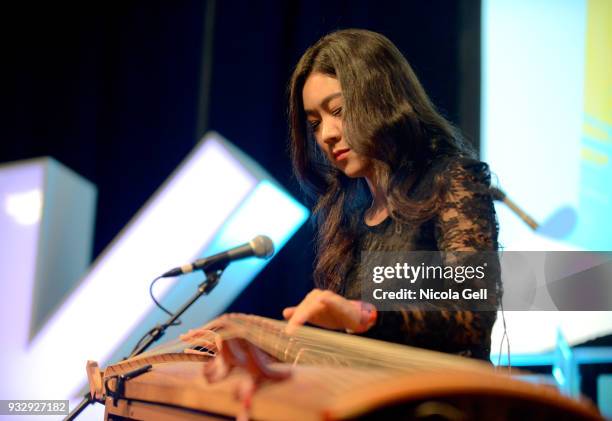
[329,310]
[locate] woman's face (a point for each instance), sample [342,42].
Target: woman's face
[323,103]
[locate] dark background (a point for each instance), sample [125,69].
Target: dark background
[121,92]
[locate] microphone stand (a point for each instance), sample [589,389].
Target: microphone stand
[212,277]
[501,196]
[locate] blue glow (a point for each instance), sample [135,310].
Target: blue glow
[558,375]
[604,395]
[563,346]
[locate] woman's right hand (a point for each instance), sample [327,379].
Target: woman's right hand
[329,310]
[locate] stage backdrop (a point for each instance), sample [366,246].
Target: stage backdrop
[547,134]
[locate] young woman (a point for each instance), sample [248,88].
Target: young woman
[387,173]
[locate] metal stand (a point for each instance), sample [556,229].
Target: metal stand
[213,275]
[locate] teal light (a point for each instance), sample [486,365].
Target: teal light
[559,377]
[565,367]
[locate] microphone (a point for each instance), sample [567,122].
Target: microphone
[260,246]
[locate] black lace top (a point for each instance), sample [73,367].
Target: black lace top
[466,222]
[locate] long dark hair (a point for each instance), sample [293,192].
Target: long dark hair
[387,117]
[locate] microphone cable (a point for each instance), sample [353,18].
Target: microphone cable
[158,304]
[161,307]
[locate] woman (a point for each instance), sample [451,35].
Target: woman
[386,172]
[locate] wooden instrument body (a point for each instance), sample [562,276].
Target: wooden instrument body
[397,382]
[340,393]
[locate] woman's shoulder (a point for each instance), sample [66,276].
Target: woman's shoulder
[452,172]
[451,166]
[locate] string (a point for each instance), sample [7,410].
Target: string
[313,346]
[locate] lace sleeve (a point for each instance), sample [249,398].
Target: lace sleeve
[466,220]
[465,223]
